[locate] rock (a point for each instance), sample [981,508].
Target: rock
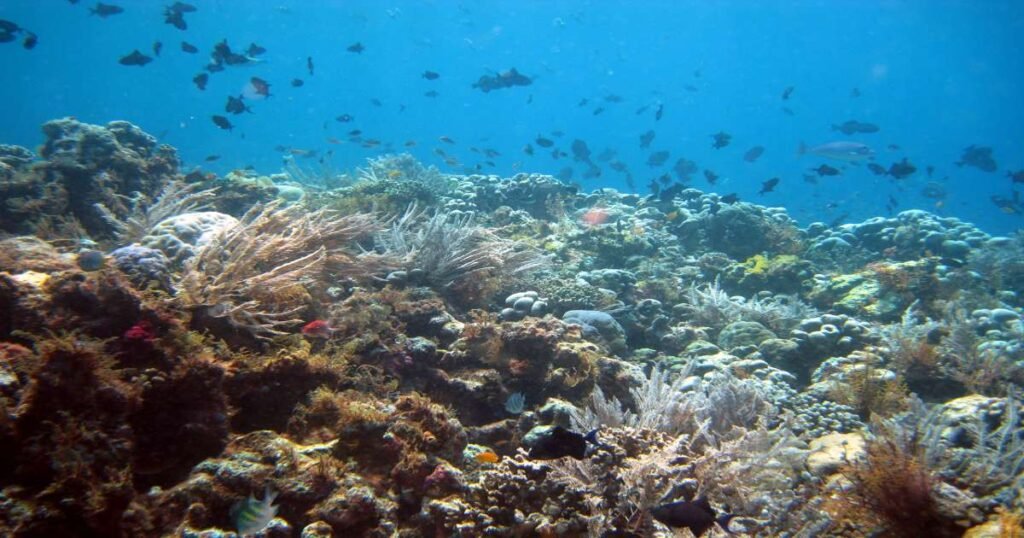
[743,333]
[26,253]
[829,452]
[179,236]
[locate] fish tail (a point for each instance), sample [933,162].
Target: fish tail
[723,521]
[592,437]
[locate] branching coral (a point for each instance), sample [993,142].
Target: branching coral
[711,306]
[141,213]
[254,274]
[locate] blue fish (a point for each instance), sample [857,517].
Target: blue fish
[839,151]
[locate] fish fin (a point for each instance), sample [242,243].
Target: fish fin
[702,503]
[723,521]
[592,437]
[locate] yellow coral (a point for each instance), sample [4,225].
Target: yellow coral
[756,264]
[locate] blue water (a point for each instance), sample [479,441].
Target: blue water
[935,76]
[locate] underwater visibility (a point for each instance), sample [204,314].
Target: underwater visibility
[453,268]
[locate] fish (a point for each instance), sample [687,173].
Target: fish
[376,102]
[487,456]
[788,111]
[344,118]
[618,166]
[598,110]
[787,92]
[430,75]
[30,41]
[607,155]
[613,98]
[647,138]
[826,170]
[544,142]
[854,93]
[200,80]
[853,127]
[157,47]
[933,190]
[236,105]
[528,149]
[7,37]
[684,168]
[664,179]
[309,65]
[696,515]
[580,151]
[657,158]
[979,157]
[105,10]
[222,122]
[722,139]
[1016,177]
[901,169]
[507,79]
[876,169]
[658,113]
[251,515]
[254,50]
[188,47]
[1010,206]
[446,139]
[583,102]
[929,170]
[592,172]
[175,14]
[431,94]
[356,47]
[710,176]
[565,174]
[259,86]
[753,154]
[355,132]
[317,329]
[768,186]
[839,151]
[731,198]
[9,27]
[135,58]
[211,158]
[812,179]
[297,83]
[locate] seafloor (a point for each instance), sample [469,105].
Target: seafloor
[380,350]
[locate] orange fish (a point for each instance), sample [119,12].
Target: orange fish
[317,329]
[487,457]
[595,216]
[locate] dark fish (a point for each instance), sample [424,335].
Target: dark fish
[508,79]
[731,198]
[813,179]
[200,80]
[175,19]
[664,179]
[618,166]
[222,122]
[580,151]
[260,86]
[613,98]
[607,155]
[691,88]
[528,149]
[1010,206]
[855,92]
[642,109]
[355,132]
[309,65]
[1016,177]
[105,10]
[901,169]
[711,176]
[852,127]
[876,169]
[657,158]
[564,174]
[753,154]
[722,139]
[592,172]
[297,83]
[768,186]
[236,105]
[697,515]
[430,75]
[344,118]
[9,27]
[598,110]
[376,102]
[135,58]
[934,190]
[544,142]
[826,170]
[211,158]
[189,48]
[684,168]
[357,48]
[430,94]
[646,139]
[7,37]
[788,111]
[979,157]
[30,41]
[182,7]
[446,139]
[254,50]
[658,113]
[787,92]
[929,170]
[583,102]
[157,47]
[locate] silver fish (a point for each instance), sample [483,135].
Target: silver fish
[840,151]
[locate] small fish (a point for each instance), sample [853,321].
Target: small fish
[506,79]
[697,515]
[309,65]
[853,127]
[200,80]
[251,516]
[544,142]
[236,105]
[157,47]
[929,170]
[788,111]
[254,50]
[598,110]
[30,41]
[446,139]
[646,139]
[607,155]
[175,19]
[430,75]
[431,94]
[580,151]
[211,158]
[854,93]
[357,48]
[658,113]
[618,166]
[135,58]
[710,176]
[731,198]
[222,122]
[934,191]
[684,168]
[487,456]
[901,169]
[317,329]
[753,154]
[344,118]
[376,102]
[876,169]
[722,139]
[297,83]
[768,186]
[613,98]
[787,92]
[188,47]
[410,143]
[9,27]
[559,442]
[528,149]
[355,132]
[259,86]
[657,158]
[105,10]
[840,151]
[1009,206]
[1016,177]
[979,157]
[826,170]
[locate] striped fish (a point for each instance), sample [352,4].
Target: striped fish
[251,515]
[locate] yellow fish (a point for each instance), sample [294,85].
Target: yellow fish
[487,457]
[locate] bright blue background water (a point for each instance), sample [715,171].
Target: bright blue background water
[937,76]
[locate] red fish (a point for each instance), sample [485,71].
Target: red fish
[142,331]
[317,329]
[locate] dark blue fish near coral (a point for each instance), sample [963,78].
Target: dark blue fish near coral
[697,515]
[559,442]
[135,58]
[105,10]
